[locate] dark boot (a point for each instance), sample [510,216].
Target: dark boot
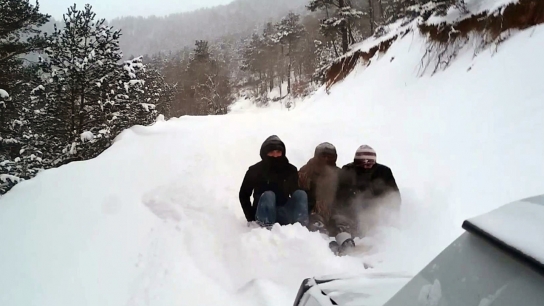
[265,225]
[335,248]
[343,224]
[345,242]
[346,246]
[317,224]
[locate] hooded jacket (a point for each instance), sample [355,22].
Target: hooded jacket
[320,180]
[270,174]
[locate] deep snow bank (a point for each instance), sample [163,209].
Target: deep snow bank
[155,220]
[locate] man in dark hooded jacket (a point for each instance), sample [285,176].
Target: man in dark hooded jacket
[274,184]
[364,187]
[319,178]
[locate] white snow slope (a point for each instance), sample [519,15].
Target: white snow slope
[155,220]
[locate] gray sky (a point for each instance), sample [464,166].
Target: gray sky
[110,9]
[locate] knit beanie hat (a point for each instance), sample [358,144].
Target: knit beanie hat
[365,152]
[326,148]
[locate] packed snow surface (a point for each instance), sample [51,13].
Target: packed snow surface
[155,219]
[518,224]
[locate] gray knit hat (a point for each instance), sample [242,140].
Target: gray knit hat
[365,152]
[326,148]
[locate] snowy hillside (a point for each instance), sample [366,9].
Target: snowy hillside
[155,220]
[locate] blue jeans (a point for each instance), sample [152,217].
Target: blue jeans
[295,210]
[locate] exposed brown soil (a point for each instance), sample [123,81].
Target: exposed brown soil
[520,15]
[342,67]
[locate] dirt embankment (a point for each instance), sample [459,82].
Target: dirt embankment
[446,39]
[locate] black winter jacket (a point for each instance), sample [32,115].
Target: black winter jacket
[369,184]
[270,174]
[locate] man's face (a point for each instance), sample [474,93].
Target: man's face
[275,153]
[327,158]
[365,163]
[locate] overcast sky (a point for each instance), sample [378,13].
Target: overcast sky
[110,9]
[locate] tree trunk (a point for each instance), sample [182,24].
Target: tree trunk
[344,29]
[289,77]
[352,39]
[371,16]
[73,111]
[81,109]
[335,48]
[289,68]
[380,4]
[262,85]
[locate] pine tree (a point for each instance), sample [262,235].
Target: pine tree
[288,33]
[91,96]
[254,61]
[209,86]
[19,35]
[271,52]
[78,80]
[411,9]
[139,93]
[156,91]
[340,16]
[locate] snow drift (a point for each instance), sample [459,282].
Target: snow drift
[155,220]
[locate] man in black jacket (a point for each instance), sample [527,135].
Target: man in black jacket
[274,184]
[364,187]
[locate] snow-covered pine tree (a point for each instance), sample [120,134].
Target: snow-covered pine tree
[36,147]
[157,92]
[19,35]
[93,95]
[209,86]
[23,152]
[175,73]
[393,10]
[272,56]
[254,61]
[282,47]
[340,16]
[289,31]
[137,95]
[82,65]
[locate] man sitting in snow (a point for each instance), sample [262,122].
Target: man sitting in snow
[365,188]
[274,184]
[319,178]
